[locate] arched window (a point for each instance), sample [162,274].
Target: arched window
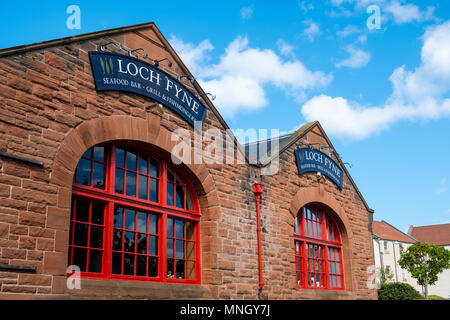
[133,218]
[318,250]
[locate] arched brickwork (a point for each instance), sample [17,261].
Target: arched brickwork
[105,129]
[314,194]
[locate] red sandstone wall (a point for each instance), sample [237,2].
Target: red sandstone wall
[50,112]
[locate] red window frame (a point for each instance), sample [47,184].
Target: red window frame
[111,200]
[318,250]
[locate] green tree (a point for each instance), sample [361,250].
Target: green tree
[425,261]
[386,275]
[398,291]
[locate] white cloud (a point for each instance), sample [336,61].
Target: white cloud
[348,30]
[442,188]
[312,30]
[403,13]
[246,13]
[285,48]
[358,58]
[418,94]
[305,6]
[239,78]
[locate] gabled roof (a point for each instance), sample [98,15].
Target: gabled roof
[385,231]
[264,159]
[438,234]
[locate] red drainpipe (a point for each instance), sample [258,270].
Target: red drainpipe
[258,189]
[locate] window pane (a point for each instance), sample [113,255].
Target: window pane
[180,197]
[190,250]
[141,222]
[170,248]
[180,269]
[189,204]
[153,190]
[190,231]
[143,164]
[141,243]
[129,219]
[99,154]
[169,227]
[81,233]
[82,210]
[170,268]
[152,246]
[95,261]
[190,270]
[119,181]
[152,267]
[118,220]
[99,176]
[131,184]
[180,249]
[141,266]
[170,176]
[97,213]
[96,237]
[131,160]
[152,227]
[80,258]
[120,158]
[170,194]
[142,187]
[88,153]
[128,264]
[84,172]
[179,229]
[128,243]
[117,240]
[117,263]
[154,168]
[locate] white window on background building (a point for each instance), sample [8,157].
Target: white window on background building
[385,245]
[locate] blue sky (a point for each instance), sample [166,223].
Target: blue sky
[382,95]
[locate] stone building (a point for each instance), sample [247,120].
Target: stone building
[93,205]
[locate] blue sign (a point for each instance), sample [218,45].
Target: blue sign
[117,72]
[310,160]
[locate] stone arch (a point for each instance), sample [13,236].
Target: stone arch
[316,195]
[121,127]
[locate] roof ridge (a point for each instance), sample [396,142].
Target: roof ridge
[399,230]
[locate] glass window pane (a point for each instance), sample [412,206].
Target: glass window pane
[190,231]
[339,282]
[154,168]
[141,266]
[119,181]
[153,190]
[338,271]
[170,268]
[170,248]
[131,184]
[81,234]
[120,158]
[179,229]
[152,226]
[129,219]
[169,227]
[180,249]
[84,172]
[117,263]
[152,267]
[88,153]
[98,176]
[190,250]
[118,220]
[128,243]
[117,240]
[141,222]
[143,164]
[180,197]
[141,243]
[96,237]
[82,210]
[99,154]
[152,246]
[80,258]
[95,261]
[170,176]
[189,204]
[190,270]
[131,160]
[142,187]
[180,269]
[128,264]
[170,194]
[97,213]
